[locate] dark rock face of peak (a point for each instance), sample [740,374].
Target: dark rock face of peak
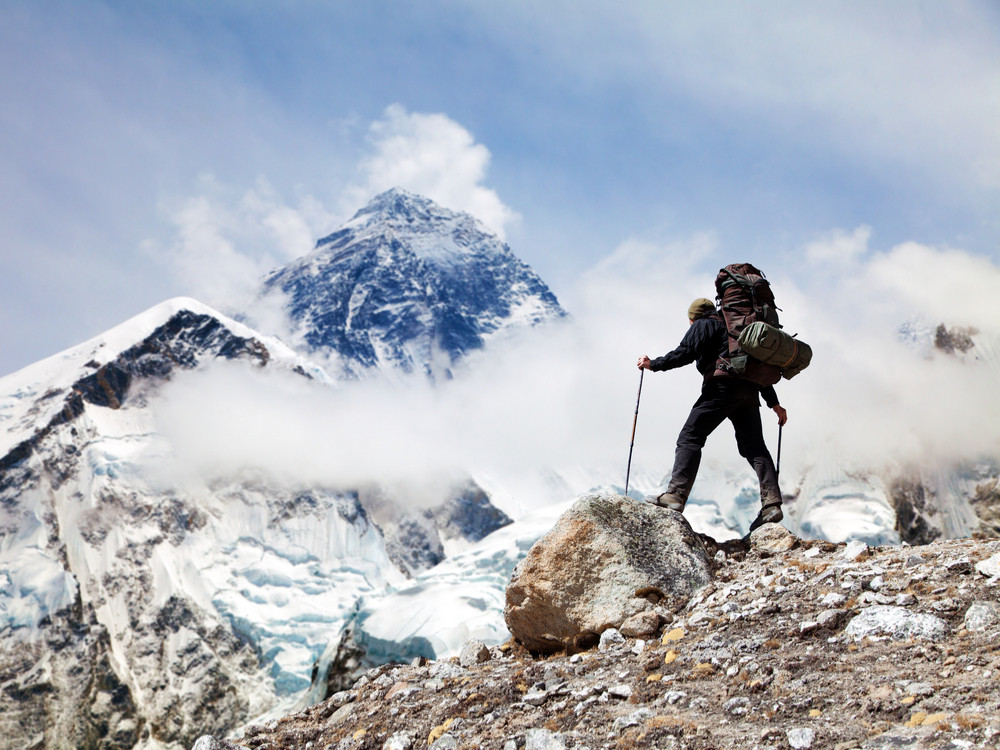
[182,341]
[469,514]
[955,339]
[408,284]
[415,536]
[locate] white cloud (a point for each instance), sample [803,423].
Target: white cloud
[839,246]
[943,285]
[434,156]
[871,397]
[226,241]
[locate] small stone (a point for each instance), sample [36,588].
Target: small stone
[831,618]
[737,706]
[535,697]
[641,625]
[981,616]
[621,691]
[699,618]
[914,561]
[445,669]
[773,537]
[402,690]
[445,742]
[611,638]
[990,566]
[473,652]
[343,697]
[922,689]
[905,600]
[398,741]
[855,550]
[633,719]
[543,739]
[833,599]
[959,567]
[895,622]
[801,738]
[207,742]
[674,696]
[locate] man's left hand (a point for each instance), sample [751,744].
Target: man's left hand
[782,414]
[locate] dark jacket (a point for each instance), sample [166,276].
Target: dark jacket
[705,341]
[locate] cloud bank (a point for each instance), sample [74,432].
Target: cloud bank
[562,399]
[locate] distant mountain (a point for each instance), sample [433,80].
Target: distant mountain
[140,605]
[407,284]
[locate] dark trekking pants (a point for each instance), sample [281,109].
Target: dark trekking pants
[721,399]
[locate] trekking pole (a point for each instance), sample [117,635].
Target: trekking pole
[777,467]
[635,419]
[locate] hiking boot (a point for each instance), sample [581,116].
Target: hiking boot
[667,500]
[768,514]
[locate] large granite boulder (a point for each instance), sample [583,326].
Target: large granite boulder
[607,559]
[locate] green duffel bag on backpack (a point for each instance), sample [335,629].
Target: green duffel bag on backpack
[775,347]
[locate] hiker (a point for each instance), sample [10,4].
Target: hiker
[723,396]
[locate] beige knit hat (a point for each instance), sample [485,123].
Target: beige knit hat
[700,307]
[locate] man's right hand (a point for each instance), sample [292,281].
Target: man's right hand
[644,362]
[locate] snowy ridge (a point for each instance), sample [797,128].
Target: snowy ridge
[29,396]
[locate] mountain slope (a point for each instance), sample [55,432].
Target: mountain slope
[137,603]
[408,284]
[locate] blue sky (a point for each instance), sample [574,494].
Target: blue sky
[164,148]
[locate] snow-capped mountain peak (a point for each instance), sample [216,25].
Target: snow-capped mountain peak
[447,235]
[407,284]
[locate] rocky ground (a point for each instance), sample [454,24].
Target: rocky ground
[795,644]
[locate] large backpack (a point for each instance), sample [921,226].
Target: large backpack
[759,350]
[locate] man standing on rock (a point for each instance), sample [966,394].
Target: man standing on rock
[723,396]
